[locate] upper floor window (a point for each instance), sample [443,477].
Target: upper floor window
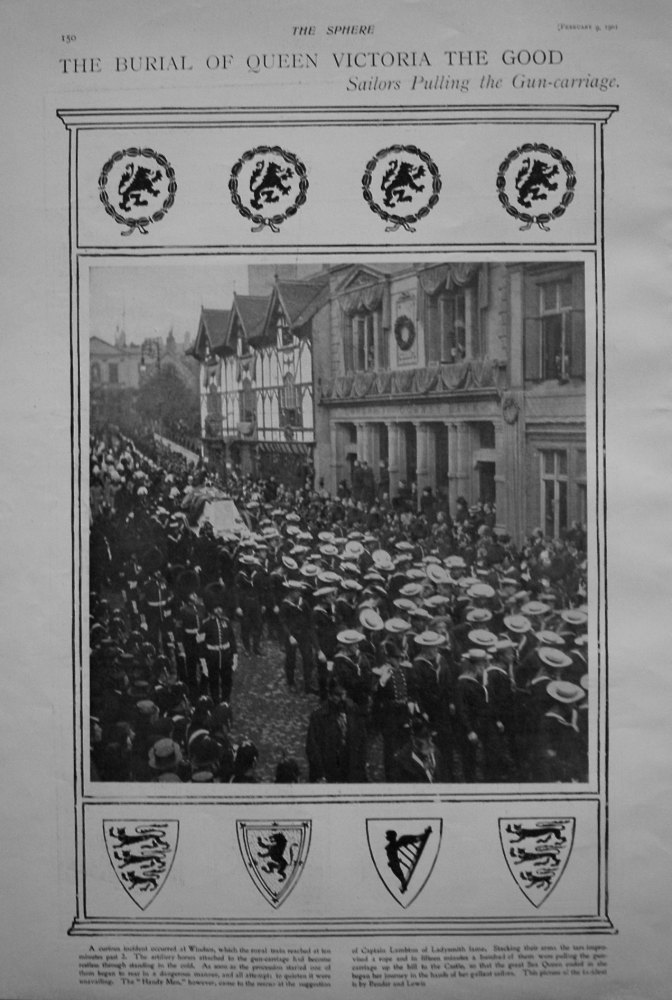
[364,342]
[555,345]
[247,401]
[452,329]
[113,373]
[285,336]
[290,402]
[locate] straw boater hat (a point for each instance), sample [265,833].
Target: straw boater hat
[165,755]
[436,600]
[575,618]
[411,590]
[328,577]
[548,638]
[481,591]
[476,655]
[565,692]
[353,549]
[536,608]
[289,563]
[430,638]
[326,536]
[437,574]
[554,658]
[368,618]
[518,624]
[328,549]
[351,585]
[404,604]
[396,625]
[481,637]
[454,562]
[478,615]
[350,637]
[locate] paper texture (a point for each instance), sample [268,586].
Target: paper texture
[420,239]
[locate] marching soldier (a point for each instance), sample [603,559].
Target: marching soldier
[219,654]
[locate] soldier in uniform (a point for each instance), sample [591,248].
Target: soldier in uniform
[191,615]
[219,654]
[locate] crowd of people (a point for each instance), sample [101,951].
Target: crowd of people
[423,632]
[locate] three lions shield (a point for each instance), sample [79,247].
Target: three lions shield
[401,184]
[275,854]
[141,853]
[536,184]
[536,852]
[268,185]
[137,187]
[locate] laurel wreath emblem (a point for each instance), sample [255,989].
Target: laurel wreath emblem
[543,218]
[401,221]
[404,333]
[143,222]
[272,221]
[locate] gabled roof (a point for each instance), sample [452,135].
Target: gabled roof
[212,329]
[251,313]
[299,300]
[99,348]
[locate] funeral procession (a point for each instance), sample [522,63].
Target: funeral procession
[337,532]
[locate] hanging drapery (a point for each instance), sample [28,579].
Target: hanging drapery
[365,299]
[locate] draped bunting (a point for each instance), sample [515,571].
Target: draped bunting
[475,374]
[363,299]
[433,279]
[247,366]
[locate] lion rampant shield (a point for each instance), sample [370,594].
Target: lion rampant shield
[275,855]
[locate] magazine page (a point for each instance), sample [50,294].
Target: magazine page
[336,500]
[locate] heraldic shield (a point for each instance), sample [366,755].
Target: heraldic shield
[404,852]
[537,852]
[275,855]
[142,853]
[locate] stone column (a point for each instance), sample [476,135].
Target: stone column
[393,460]
[422,446]
[452,466]
[335,438]
[463,456]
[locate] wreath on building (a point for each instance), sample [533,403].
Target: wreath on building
[404,333]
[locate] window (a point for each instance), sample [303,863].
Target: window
[113,373]
[247,401]
[291,414]
[285,337]
[452,327]
[554,492]
[555,347]
[364,342]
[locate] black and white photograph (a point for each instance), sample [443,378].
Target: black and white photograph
[338,521]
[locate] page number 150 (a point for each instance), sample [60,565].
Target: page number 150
[68,38]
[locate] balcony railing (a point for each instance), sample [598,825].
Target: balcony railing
[434,380]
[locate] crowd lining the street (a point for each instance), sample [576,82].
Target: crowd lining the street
[423,630]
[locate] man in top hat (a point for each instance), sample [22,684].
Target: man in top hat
[336,739]
[219,653]
[415,761]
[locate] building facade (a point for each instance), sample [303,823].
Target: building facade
[469,378]
[464,377]
[257,379]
